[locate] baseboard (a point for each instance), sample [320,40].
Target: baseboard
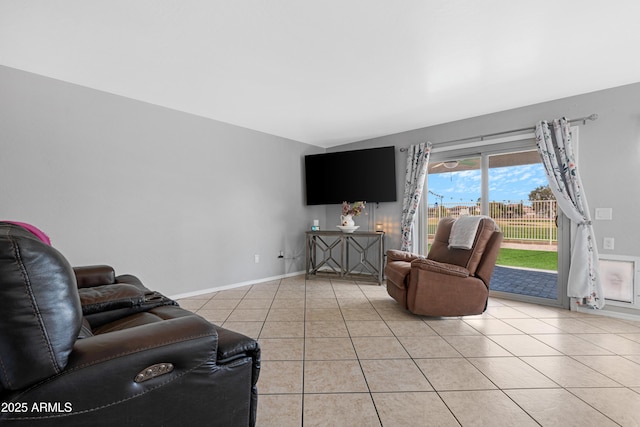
[609,313]
[234,285]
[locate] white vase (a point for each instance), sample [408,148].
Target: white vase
[347,220]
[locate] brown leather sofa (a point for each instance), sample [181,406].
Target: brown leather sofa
[85,347]
[447,282]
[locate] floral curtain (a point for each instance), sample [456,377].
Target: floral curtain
[417,162]
[556,150]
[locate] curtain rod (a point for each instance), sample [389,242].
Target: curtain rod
[482,137]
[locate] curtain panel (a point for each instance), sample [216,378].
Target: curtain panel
[557,153]
[417,164]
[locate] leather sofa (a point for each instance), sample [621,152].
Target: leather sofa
[83,346]
[448,281]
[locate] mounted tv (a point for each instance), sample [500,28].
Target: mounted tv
[360,175]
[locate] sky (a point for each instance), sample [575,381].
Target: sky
[506,184]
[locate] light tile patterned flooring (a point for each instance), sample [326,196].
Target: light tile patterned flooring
[339,353]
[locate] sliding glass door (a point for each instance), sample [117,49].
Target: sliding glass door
[507,182]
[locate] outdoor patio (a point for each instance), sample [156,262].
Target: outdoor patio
[522,281]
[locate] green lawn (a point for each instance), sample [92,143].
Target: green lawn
[543,260]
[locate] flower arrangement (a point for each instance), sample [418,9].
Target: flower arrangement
[357,209]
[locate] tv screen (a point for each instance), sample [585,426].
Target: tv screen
[360,175]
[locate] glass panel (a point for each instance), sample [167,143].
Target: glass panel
[455,188]
[524,208]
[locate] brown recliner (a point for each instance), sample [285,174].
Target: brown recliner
[447,282]
[85,347]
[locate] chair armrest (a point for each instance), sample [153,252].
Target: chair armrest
[439,267]
[396,255]
[94,275]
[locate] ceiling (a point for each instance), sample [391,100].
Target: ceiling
[328,72]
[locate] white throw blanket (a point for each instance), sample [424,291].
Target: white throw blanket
[463,231]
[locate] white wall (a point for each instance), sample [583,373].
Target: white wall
[181,201]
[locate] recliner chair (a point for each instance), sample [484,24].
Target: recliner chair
[86,347]
[448,281]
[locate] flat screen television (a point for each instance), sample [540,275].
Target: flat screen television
[359,175]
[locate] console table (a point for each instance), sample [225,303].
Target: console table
[357,256]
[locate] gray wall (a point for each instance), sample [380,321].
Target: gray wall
[609,156]
[185,202]
[181,201]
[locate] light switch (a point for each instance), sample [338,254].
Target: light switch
[604,213]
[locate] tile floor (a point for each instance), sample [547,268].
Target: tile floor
[338,353]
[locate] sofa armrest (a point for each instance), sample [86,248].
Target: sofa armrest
[232,345]
[108,303]
[94,275]
[396,255]
[102,369]
[130,279]
[110,297]
[180,337]
[439,267]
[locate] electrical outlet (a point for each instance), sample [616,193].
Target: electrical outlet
[256,258]
[608,243]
